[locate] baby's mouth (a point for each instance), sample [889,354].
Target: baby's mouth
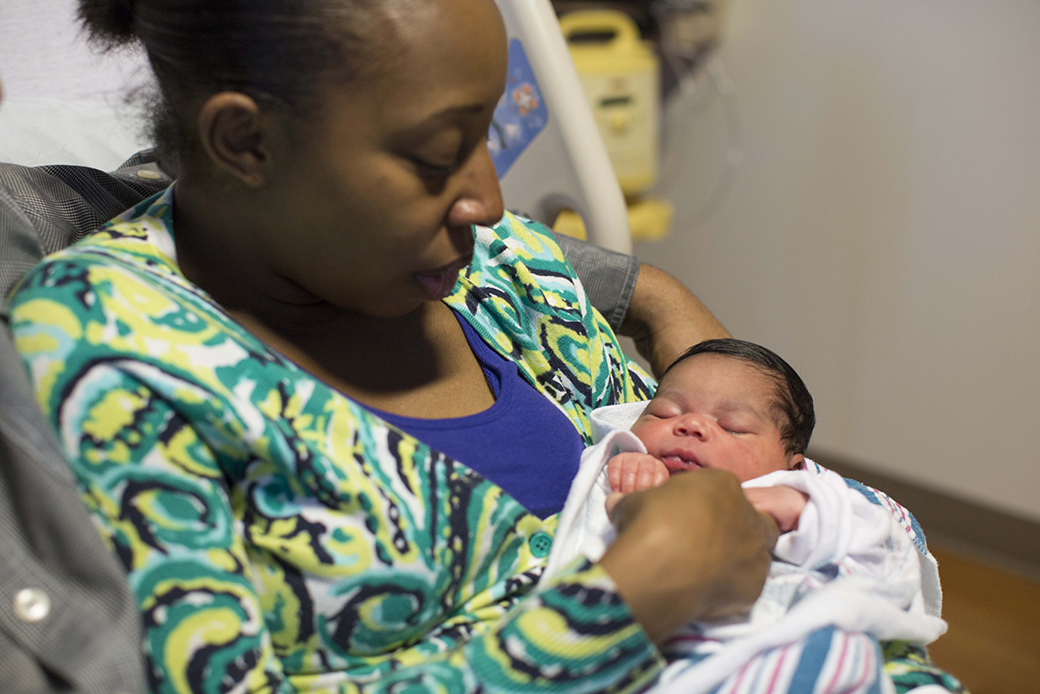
[679,463]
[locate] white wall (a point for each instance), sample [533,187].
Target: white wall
[62,102]
[883,231]
[45,54]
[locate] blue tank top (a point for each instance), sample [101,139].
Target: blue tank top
[523,442]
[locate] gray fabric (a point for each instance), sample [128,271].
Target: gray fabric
[43,209]
[608,277]
[90,639]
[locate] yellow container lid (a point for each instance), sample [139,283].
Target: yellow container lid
[650,219]
[606,42]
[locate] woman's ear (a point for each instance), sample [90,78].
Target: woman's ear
[236,136]
[797,462]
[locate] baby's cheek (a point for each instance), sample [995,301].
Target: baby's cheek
[640,430]
[771,460]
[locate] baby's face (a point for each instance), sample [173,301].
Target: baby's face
[715,411]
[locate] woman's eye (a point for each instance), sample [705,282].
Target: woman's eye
[429,168]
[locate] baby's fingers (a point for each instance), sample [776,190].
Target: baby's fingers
[651,473]
[634,472]
[614,469]
[784,504]
[661,473]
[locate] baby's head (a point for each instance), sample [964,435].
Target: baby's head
[729,404]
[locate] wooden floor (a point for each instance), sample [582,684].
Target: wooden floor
[993,644]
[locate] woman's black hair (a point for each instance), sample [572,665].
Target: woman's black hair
[793,405]
[275,51]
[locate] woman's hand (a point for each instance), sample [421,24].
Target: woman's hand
[693,548]
[782,504]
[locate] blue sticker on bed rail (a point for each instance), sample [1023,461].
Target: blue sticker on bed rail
[520,114]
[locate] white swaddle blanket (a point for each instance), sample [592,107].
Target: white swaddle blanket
[855,570]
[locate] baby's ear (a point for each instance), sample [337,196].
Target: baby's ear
[797,462]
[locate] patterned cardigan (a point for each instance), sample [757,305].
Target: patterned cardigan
[278,536]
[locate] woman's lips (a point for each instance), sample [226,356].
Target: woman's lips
[439,283]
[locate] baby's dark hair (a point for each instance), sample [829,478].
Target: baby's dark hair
[793,406]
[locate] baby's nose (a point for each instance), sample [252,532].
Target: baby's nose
[693,425]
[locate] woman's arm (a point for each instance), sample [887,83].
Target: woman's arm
[664,318]
[160,499]
[642,302]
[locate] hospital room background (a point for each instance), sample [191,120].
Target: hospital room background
[855,185]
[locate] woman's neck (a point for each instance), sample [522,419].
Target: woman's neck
[216,250]
[418,364]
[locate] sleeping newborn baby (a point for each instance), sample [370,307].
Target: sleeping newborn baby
[850,568]
[725,404]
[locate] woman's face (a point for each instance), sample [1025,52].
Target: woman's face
[376,198]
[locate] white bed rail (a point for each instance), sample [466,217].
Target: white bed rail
[566,165]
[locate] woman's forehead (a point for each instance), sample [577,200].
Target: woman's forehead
[436,35]
[445,54]
[422,71]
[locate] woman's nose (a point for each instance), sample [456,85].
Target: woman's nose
[694,425]
[480,198]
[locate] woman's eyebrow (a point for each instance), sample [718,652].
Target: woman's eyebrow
[447,115]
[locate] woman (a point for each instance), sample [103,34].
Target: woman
[220,363]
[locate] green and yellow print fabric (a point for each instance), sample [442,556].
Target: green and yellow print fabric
[278,536]
[526,302]
[910,667]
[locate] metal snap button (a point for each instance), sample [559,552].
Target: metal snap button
[541,544]
[31,605]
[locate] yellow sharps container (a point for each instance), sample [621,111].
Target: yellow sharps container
[620,76]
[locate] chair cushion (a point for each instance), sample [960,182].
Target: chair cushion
[45,208]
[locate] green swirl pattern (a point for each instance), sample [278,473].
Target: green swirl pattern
[278,536]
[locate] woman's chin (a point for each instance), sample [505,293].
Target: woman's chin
[388,310]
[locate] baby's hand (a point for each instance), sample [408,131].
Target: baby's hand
[783,504]
[634,472]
